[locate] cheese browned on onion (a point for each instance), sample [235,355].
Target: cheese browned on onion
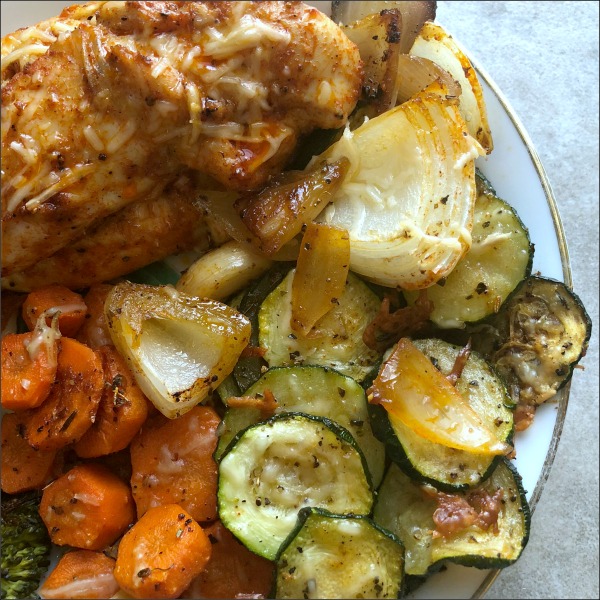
[408,198]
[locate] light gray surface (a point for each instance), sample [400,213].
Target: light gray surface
[544,58]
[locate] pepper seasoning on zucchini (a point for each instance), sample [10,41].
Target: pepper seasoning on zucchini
[429,460]
[499,259]
[487,527]
[339,556]
[274,468]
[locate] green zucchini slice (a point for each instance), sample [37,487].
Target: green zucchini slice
[249,368]
[499,259]
[447,468]
[317,391]
[276,467]
[338,556]
[335,341]
[544,331]
[407,509]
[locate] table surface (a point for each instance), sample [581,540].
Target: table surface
[544,58]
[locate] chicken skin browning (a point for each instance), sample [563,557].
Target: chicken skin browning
[113,100]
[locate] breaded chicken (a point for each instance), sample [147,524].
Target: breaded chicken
[128,94]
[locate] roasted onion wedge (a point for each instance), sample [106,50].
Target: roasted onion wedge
[413,14]
[377,37]
[277,214]
[416,73]
[178,347]
[434,43]
[408,198]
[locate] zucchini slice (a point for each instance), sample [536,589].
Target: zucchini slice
[317,391]
[499,259]
[447,468]
[407,509]
[276,467]
[249,368]
[544,331]
[338,556]
[335,341]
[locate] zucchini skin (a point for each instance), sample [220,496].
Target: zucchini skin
[423,565]
[383,430]
[319,513]
[248,369]
[458,470]
[569,300]
[316,390]
[259,495]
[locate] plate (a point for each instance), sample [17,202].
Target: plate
[514,169]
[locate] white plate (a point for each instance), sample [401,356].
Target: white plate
[515,171]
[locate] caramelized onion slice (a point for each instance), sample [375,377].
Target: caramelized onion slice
[178,347]
[277,214]
[320,275]
[434,43]
[416,73]
[415,393]
[414,14]
[377,37]
[408,199]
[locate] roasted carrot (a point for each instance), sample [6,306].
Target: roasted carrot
[29,365]
[172,463]
[233,571]
[70,408]
[162,553]
[23,468]
[51,300]
[122,410]
[88,507]
[94,332]
[81,574]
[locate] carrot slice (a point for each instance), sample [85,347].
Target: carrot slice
[23,468]
[69,410]
[233,571]
[172,463]
[51,300]
[161,554]
[28,369]
[94,331]
[81,574]
[122,410]
[88,507]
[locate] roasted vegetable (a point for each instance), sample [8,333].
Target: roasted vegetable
[544,332]
[408,198]
[435,43]
[336,339]
[499,259]
[339,556]
[25,546]
[447,468]
[275,467]
[418,396]
[486,528]
[277,214]
[179,347]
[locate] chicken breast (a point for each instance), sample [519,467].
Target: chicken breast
[138,234]
[128,94]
